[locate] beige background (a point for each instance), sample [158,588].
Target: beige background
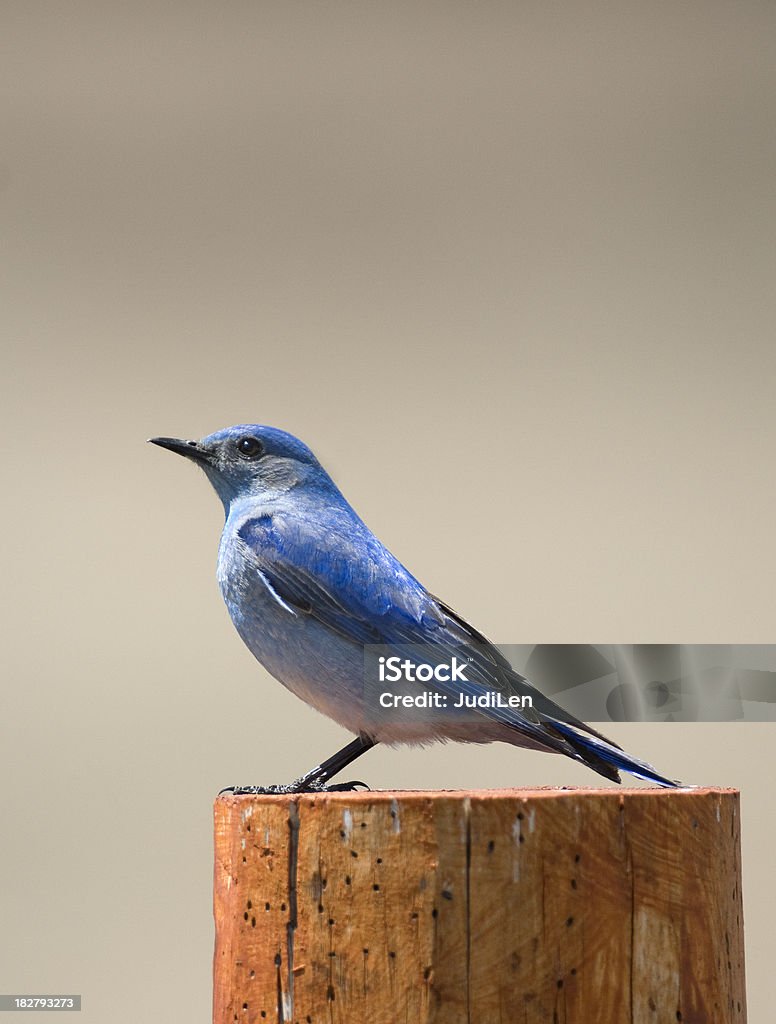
[508,268]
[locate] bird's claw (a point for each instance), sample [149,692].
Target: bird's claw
[346,787]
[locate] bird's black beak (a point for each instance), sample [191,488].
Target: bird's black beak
[190,449]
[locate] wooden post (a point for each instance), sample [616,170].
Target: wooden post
[568,906]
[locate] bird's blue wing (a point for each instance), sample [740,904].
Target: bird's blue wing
[343,577]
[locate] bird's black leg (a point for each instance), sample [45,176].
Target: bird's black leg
[320,775]
[316,779]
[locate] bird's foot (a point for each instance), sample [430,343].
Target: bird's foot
[256,790]
[300,786]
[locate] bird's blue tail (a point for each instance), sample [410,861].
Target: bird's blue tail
[593,751]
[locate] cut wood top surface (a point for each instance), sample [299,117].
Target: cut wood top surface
[535,793]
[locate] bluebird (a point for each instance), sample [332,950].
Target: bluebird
[310,589]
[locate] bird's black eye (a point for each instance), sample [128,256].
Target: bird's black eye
[249,447]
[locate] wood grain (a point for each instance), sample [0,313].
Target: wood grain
[563,906]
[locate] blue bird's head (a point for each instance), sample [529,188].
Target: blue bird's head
[252,461]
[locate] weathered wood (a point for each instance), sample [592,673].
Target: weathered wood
[565,906]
